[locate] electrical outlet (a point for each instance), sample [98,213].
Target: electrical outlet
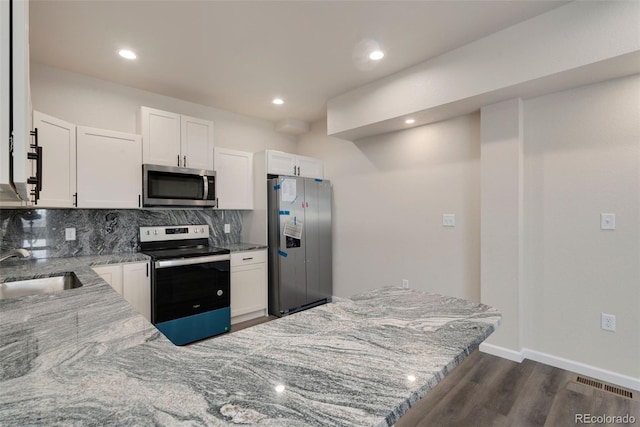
[227,228]
[405,283]
[69,234]
[609,322]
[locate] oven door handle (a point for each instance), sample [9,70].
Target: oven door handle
[191,261]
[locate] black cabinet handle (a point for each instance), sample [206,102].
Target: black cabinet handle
[247,259]
[37,156]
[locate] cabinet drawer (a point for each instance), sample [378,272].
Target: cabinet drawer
[246,258]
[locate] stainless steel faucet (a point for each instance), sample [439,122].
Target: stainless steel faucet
[19,253]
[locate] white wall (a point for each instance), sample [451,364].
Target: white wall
[582,158]
[577,154]
[390,192]
[86,101]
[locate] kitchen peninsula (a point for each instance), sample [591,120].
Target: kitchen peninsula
[84,356]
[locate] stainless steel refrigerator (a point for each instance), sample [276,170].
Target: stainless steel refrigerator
[300,272]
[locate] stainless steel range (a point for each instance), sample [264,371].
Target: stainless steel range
[190,282]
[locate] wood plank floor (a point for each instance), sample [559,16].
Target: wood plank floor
[486,390]
[247,324]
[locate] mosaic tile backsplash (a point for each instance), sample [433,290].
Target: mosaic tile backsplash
[102,231]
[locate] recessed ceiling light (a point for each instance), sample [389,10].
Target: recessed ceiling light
[410,121]
[279,388]
[376,55]
[278,101]
[127,54]
[411,378]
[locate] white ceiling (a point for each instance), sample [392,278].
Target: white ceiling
[238,55]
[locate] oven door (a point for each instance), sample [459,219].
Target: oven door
[189,286]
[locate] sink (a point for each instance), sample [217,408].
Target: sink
[20,288]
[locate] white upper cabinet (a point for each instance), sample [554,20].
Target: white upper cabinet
[6,191]
[58,141]
[173,140]
[160,137]
[308,167]
[234,178]
[279,163]
[196,143]
[109,169]
[14,50]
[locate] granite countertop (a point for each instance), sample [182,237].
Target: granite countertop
[242,247]
[84,356]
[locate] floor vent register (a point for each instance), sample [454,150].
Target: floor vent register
[607,387]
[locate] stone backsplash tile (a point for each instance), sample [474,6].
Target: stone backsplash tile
[103,231]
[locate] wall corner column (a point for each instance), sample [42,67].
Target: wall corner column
[501,224]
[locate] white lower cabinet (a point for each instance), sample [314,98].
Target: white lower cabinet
[112,274]
[248,285]
[136,287]
[131,280]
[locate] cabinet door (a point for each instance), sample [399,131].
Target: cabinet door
[160,137]
[6,190]
[21,99]
[196,143]
[112,274]
[58,141]
[248,289]
[136,287]
[109,169]
[310,167]
[279,163]
[234,178]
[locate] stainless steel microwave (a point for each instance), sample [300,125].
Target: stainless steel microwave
[178,187]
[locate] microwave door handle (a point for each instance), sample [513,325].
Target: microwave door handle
[206,187]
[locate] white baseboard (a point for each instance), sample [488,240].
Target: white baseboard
[562,363]
[505,353]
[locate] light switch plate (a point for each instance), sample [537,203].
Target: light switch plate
[69,234]
[227,228]
[607,221]
[448,220]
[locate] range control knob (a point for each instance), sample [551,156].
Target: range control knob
[202,229]
[195,230]
[155,232]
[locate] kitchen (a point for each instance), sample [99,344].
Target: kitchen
[369,175]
